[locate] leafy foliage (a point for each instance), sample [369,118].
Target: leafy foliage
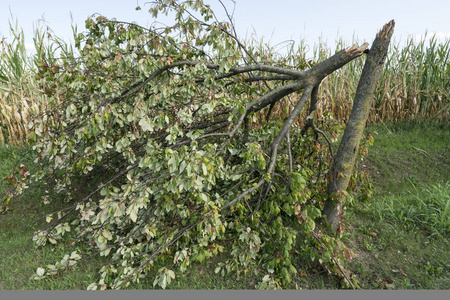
[170,128]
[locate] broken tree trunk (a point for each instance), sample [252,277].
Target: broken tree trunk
[344,160]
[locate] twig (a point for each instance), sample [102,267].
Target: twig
[334,259]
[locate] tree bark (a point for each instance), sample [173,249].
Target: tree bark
[344,160]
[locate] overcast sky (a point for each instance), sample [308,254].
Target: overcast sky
[275,20]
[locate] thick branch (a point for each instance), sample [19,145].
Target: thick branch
[326,67]
[316,73]
[273,96]
[268,78]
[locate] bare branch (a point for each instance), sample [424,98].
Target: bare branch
[276,143]
[273,96]
[326,67]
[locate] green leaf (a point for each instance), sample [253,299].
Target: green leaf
[133,215]
[75,255]
[183,165]
[173,164]
[163,281]
[171,274]
[40,271]
[205,170]
[310,224]
[146,124]
[107,234]
[293,269]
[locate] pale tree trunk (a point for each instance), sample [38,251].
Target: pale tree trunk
[344,160]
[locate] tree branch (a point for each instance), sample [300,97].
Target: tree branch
[326,67]
[275,144]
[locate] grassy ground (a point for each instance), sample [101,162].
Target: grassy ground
[400,238]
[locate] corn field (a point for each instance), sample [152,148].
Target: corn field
[415,82]
[20,99]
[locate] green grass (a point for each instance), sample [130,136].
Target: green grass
[400,238]
[19,259]
[427,209]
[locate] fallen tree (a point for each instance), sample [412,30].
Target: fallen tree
[183,153]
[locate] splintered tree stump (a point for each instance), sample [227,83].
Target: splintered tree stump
[344,160]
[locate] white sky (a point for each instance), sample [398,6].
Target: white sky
[275,20]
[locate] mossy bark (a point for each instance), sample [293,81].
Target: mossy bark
[344,160]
